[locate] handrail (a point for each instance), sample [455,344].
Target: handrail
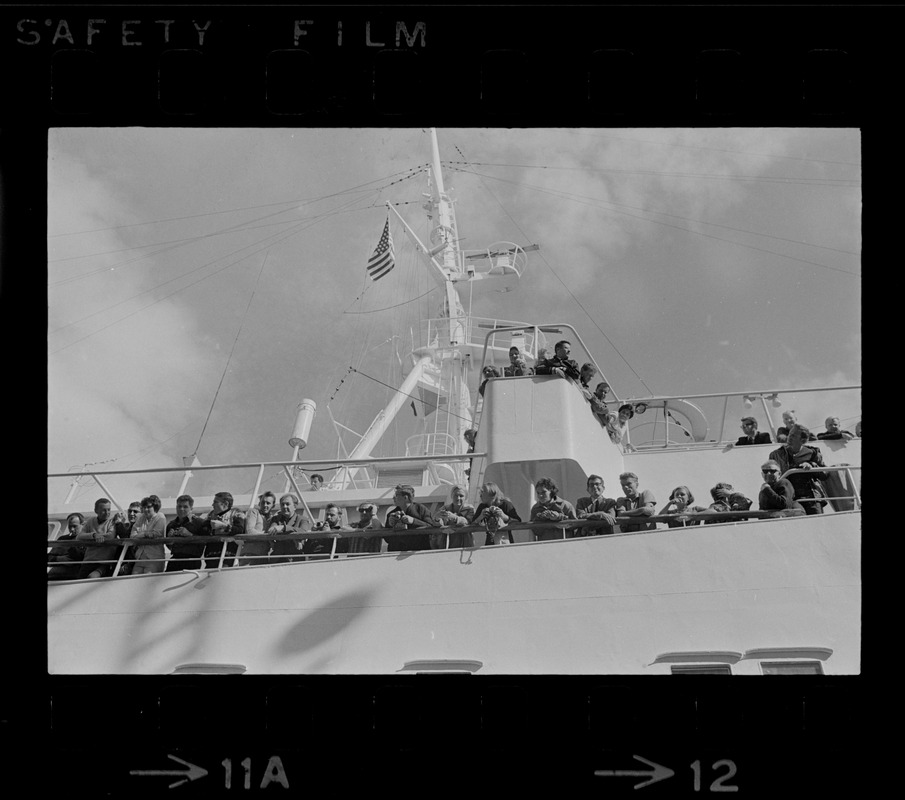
[565,525]
[846,468]
[323,463]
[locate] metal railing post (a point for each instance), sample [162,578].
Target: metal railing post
[119,562]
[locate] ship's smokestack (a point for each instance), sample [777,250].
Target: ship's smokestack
[304,418]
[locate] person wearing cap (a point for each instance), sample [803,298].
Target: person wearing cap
[368,542]
[749,426]
[407,515]
[518,366]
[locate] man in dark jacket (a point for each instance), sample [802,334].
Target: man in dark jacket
[749,426]
[777,495]
[795,454]
[560,364]
[405,515]
[185,555]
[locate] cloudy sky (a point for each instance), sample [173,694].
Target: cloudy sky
[203,281]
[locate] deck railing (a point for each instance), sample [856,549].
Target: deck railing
[224,559]
[332,466]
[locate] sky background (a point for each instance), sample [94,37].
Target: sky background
[206,280]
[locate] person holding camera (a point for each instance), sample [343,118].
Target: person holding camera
[408,515]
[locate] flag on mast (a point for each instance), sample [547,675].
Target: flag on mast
[383,258]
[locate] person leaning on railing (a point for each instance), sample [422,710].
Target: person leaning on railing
[777,494]
[494,512]
[185,555]
[124,531]
[725,498]
[454,514]
[834,430]
[370,542]
[635,504]
[65,559]
[405,515]
[222,520]
[795,454]
[550,508]
[560,364]
[288,520]
[150,525]
[680,505]
[596,506]
[101,530]
[322,547]
[254,549]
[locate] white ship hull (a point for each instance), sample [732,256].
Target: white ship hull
[599,605]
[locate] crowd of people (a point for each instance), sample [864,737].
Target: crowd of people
[261,534]
[616,420]
[90,548]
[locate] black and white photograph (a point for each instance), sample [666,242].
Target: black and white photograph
[484,400]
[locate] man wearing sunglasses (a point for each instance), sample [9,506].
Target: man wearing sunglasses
[370,542]
[777,495]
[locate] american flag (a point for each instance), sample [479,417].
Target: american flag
[383,258]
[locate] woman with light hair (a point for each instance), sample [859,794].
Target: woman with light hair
[680,504]
[454,514]
[494,512]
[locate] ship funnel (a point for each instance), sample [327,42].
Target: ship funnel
[303,420]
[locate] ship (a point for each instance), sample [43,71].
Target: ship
[746,593]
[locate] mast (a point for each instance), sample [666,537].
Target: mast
[441,369]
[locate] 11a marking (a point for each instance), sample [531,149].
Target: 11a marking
[273,772]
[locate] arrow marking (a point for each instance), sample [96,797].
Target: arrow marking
[660,773]
[194,772]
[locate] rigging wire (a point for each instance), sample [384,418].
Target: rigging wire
[564,284]
[704,147]
[283,237]
[387,308]
[567,196]
[241,226]
[690,219]
[844,183]
[231,351]
[304,201]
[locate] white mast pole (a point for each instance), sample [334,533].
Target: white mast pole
[445,235]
